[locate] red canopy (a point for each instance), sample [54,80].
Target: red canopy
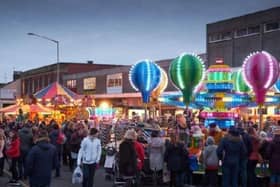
[33,108]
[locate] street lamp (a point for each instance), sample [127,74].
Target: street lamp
[57,50]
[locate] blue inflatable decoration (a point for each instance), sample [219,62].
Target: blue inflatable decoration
[145,76]
[277,86]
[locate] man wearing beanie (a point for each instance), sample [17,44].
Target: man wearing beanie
[40,161]
[231,151]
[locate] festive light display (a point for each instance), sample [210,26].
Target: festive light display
[219,97]
[162,85]
[186,72]
[145,76]
[260,72]
[239,82]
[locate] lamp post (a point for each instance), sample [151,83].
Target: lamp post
[57,50]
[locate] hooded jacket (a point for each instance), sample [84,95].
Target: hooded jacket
[231,150]
[40,161]
[26,139]
[210,158]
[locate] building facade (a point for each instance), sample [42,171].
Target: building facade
[234,39]
[36,79]
[113,87]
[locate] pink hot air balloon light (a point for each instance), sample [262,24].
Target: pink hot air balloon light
[260,71]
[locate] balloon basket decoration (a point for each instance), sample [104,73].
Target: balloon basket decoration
[260,71]
[145,76]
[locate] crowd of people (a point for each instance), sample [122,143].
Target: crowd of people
[33,150]
[235,152]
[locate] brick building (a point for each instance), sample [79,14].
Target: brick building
[113,86]
[234,39]
[35,79]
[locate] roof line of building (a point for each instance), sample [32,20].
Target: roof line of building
[245,15]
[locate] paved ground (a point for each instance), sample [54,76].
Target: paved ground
[66,180]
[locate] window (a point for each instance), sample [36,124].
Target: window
[271,26]
[219,37]
[254,29]
[90,83]
[114,83]
[226,36]
[71,83]
[241,32]
[114,80]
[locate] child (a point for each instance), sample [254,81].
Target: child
[211,162]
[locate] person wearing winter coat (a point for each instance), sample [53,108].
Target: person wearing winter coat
[89,155]
[40,161]
[211,162]
[177,158]
[273,156]
[54,135]
[128,155]
[231,150]
[13,153]
[26,142]
[156,151]
[2,145]
[254,157]
[75,143]
[243,162]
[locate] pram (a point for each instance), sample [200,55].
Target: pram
[119,180]
[110,162]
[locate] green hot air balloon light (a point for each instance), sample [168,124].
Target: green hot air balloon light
[186,72]
[239,82]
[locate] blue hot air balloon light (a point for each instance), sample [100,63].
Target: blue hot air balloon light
[145,76]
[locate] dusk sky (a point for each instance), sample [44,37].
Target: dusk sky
[109,31]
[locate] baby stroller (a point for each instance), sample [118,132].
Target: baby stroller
[120,180]
[110,163]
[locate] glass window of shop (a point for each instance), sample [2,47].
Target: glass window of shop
[114,83]
[90,83]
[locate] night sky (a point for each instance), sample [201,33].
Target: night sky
[108,31]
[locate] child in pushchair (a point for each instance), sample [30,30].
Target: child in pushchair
[110,161]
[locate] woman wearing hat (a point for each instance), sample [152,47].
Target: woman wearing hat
[128,155]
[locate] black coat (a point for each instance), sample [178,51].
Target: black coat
[127,158]
[177,158]
[40,162]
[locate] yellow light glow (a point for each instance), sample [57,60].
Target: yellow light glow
[104,105]
[181,99]
[227,99]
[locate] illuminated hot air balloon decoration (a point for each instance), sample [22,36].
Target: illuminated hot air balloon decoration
[239,83]
[162,85]
[260,71]
[145,76]
[186,72]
